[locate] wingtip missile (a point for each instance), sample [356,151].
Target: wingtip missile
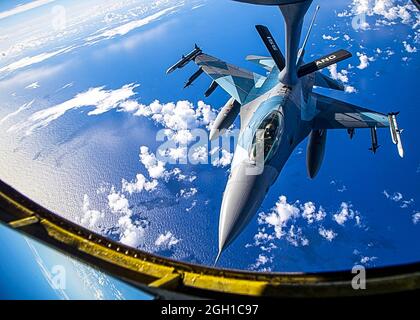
[396,132]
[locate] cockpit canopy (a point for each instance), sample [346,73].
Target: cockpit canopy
[266,136]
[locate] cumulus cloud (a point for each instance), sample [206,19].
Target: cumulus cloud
[285,221]
[179,118]
[261,263]
[328,37]
[338,75]
[221,161]
[327,234]
[398,198]
[155,167]
[118,203]
[409,48]
[167,240]
[280,216]
[346,213]
[188,193]
[364,60]
[131,234]
[416,217]
[90,217]
[311,213]
[386,12]
[341,76]
[138,185]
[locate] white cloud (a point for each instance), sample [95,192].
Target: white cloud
[24,7]
[327,234]
[342,76]
[200,154]
[416,217]
[346,213]
[311,214]
[398,198]
[138,185]
[167,240]
[261,262]
[130,26]
[364,60]
[131,235]
[328,37]
[90,217]
[338,75]
[100,99]
[155,167]
[118,203]
[179,117]
[34,85]
[279,216]
[221,161]
[295,237]
[409,48]
[188,193]
[19,110]
[387,11]
[349,89]
[366,260]
[28,61]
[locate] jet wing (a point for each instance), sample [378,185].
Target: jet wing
[234,80]
[336,114]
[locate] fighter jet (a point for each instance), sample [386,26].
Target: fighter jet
[277,112]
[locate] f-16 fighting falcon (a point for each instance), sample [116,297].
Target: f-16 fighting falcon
[277,112]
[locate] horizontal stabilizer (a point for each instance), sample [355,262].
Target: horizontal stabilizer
[272,46]
[321,80]
[235,81]
[266,62]
[323,62]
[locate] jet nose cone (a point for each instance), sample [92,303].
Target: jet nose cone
[243,196]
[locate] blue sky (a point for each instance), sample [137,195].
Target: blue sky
[80,155]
